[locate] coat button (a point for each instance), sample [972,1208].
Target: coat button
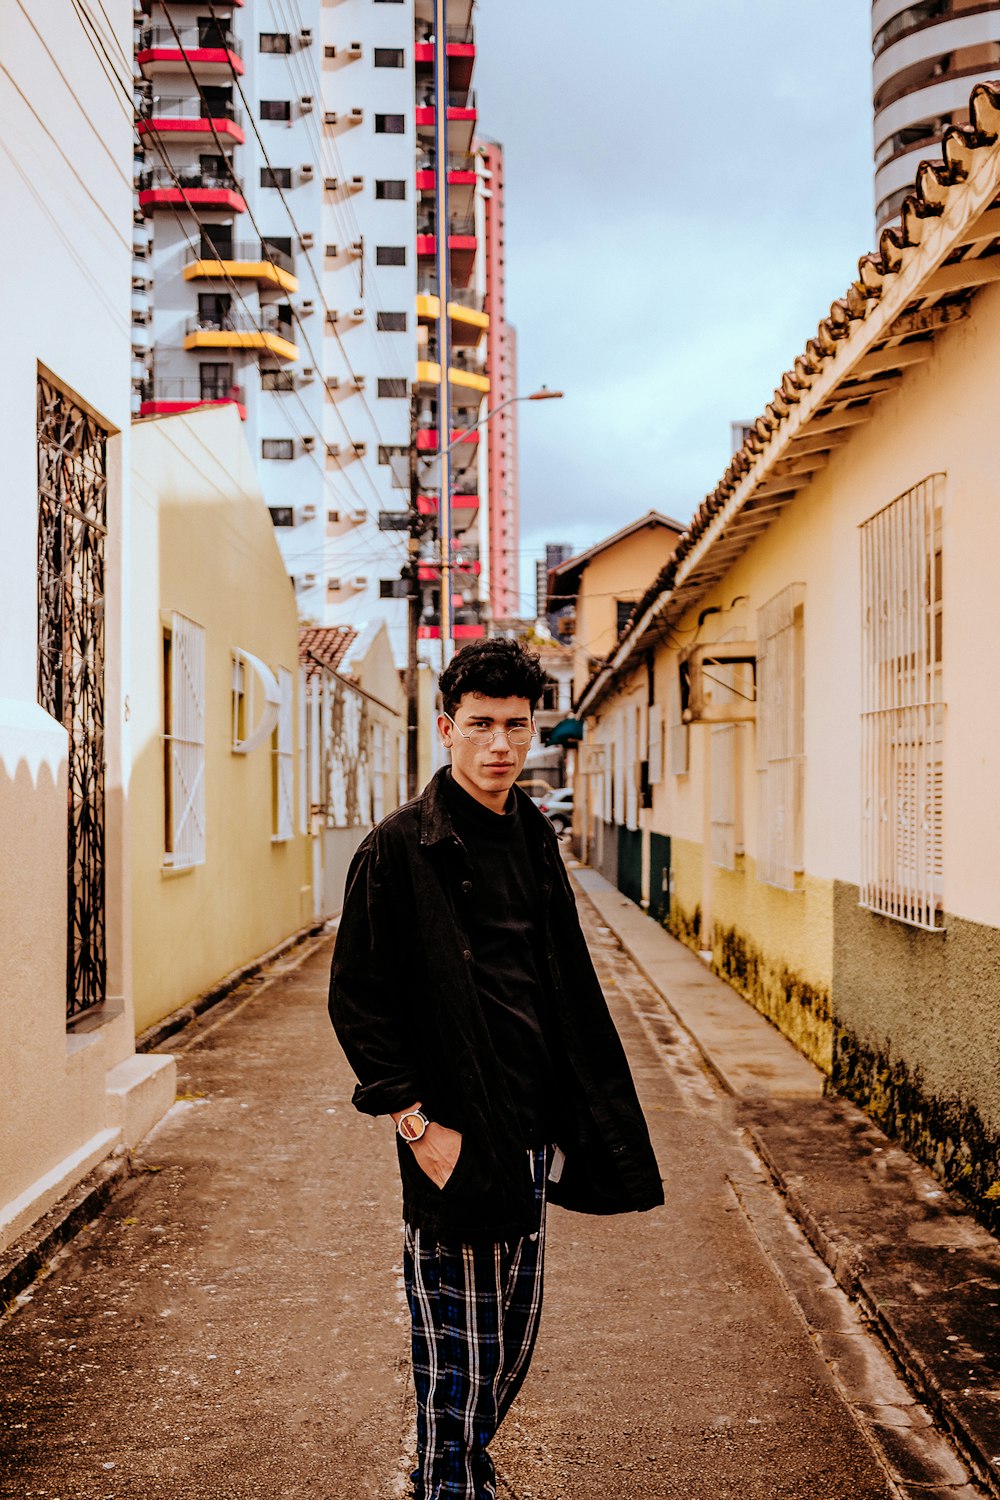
[467,954]
[466,887]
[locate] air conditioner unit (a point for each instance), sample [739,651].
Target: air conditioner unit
[357,115]
[333,450]
[308,443]
[306,374]
[332,317]
[306,104]
[358,247]
[358,312]
[306,171]
[359,581]
[705,668]
[355,49]
[357,183]
[358,516]
[330,117]
[329,53]
[308,512]
[333,382]
[305,37]
[331,251]
[307,240]
[309,580]
[359,382]
[360,449]
[331,184]
[306,307]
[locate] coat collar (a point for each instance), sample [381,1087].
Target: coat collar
[436,826]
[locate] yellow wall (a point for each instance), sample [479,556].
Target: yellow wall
[203,545]
[623,570]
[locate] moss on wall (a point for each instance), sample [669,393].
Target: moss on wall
[800,1009]
[948,1134]
[685,925]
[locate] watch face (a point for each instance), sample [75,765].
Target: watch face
[412,1126]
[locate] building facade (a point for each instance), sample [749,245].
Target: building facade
[501,367]
[220,868]
[790,756]
[288,213]
[72,1090]
[927,54]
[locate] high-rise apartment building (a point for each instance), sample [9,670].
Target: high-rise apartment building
[928,56]
[501,367]
[289,208]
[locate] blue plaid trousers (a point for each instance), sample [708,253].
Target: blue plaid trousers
[475,1312]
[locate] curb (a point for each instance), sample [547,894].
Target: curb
[178,1020]
[26,1259]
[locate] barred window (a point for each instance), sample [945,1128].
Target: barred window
[282,515]
[277,448]
[391,386]
[389,57]
[678,733]
[390,255]
[276,109]
[390,187]
[902,708]
[184,743]
[390,322]
[390,124]
[780,736]
[275,177]
[275,41]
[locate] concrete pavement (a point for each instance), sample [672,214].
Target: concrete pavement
[232,1325]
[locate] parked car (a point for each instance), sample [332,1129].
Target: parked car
[558,808]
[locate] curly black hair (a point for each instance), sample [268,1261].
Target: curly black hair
[493,668]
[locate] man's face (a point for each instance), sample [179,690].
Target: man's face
[487,772]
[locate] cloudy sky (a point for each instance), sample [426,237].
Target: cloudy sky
[689,187]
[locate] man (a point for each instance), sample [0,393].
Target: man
[463,994]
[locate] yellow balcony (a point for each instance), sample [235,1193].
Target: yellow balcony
[239,332]
[429,373]
[463,312]
[261,271]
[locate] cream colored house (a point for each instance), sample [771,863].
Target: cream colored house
[801,713]
[220,866]
[72,1090]
[355,746]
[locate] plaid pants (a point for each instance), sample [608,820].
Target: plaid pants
[475,1312]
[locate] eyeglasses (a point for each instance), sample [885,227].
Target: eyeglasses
[516,738]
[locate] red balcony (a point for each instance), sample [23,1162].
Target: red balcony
[211,51]
[458,632]
[461,116]
[461,246]
[461,60]
[188,187]
[464,509]
[165,397]
[184,119]
[427,438]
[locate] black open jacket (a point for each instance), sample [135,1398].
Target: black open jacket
[408,1016]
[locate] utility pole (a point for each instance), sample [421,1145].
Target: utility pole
[411,573]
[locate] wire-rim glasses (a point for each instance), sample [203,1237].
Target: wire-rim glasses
[483,738]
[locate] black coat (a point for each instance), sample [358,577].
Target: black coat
[408,1016]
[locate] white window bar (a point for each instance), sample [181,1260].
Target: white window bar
[780,737]
[184,736]
[725,835]
[655,755]
[283,759]
[379,748]
[902,708]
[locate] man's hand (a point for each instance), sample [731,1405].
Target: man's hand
[437,1150]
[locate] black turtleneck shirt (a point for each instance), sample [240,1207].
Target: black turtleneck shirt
[503,918]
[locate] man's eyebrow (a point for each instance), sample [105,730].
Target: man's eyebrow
[486,719]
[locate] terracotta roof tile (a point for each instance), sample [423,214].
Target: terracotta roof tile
[325,645]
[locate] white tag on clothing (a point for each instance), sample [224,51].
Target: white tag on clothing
[558,1162]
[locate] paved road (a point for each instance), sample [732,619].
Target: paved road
[233,1326]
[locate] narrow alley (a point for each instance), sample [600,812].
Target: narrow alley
[233,1324]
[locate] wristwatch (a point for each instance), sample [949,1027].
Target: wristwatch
[411,1126]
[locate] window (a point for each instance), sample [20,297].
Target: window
[623,613]
[333,516]
[275,177]
[183,743]
[654,753]
[388,387]
[275,41]
[390,187]
[902,708]
[277,380]
[726,811]
[283,763]
[780,737]
[390,322]
[390,255]
[678,733]
[276,109]
[380,759]
[389,57]
[282,515]
[280,448]
[390,124]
